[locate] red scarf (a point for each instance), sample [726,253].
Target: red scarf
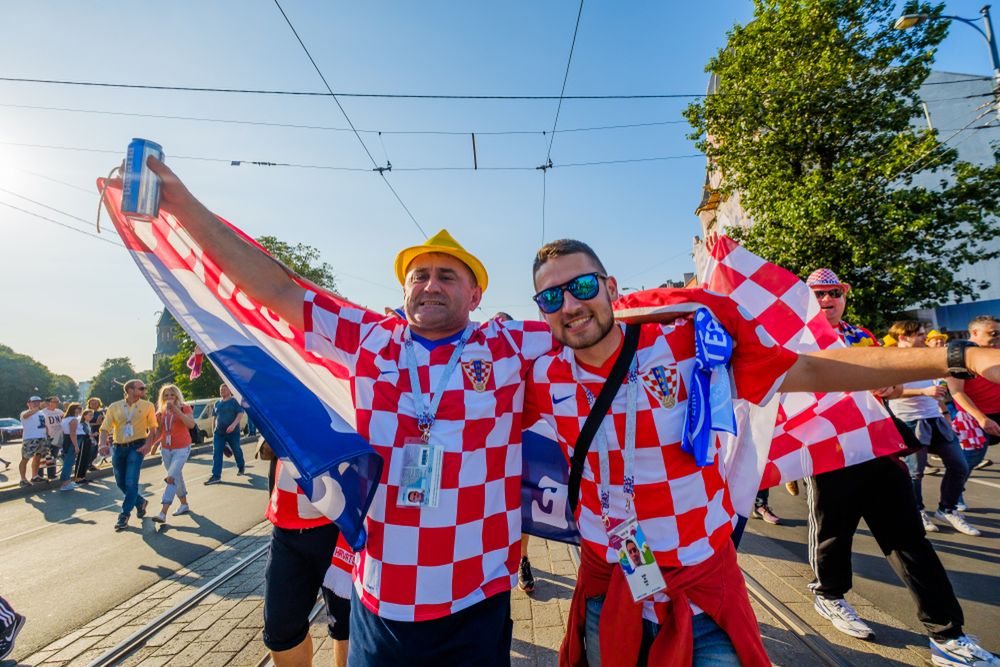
[715,585]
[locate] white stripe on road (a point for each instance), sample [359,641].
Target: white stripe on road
[984,483]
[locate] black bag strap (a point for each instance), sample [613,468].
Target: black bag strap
[599,410]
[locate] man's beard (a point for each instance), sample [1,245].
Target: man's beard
[569,339]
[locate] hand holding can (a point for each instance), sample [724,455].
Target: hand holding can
[140,186]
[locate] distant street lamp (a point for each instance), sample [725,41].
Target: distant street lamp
[909,20]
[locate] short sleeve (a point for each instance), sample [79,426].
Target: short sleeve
[334,328]
[107,424]
[151,417]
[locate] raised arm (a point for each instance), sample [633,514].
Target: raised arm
[864,368]
[263,278]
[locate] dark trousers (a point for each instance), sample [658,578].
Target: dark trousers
[938,438]
[477,636]
[55,453]
[88,452]
[878,491]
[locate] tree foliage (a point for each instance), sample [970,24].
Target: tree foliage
[22,377]
[204,386]
[302,258]
[107,384]
[814,123]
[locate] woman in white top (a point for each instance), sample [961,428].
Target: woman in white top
[73,432]
[920,408]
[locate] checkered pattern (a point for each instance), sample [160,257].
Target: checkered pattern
[967,429]
[685,510]
[290,507]
[425,563]
[823,277]
[813,433]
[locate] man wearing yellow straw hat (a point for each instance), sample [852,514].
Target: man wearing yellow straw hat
[936,338]
[440,399]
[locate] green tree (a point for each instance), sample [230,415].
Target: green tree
[107,384]
[815,124]
[161,374]
[22,377]
[65,386]
[302,258]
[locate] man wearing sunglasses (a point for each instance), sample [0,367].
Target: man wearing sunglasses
[880,492]
[131,425]
[639,476]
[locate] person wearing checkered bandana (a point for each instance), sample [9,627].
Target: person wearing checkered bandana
[880,492]
[643,468]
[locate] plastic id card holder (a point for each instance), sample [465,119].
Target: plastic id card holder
[127,431]
[420,482]
[636,559]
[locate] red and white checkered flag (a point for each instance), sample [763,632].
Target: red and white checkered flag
[813,433]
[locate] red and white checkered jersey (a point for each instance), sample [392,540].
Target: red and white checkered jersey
[970,436]
[425,563]
[685,510]
[290,507]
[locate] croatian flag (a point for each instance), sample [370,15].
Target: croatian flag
[301,403]
[795,435]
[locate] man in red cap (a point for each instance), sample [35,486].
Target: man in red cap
[880,492]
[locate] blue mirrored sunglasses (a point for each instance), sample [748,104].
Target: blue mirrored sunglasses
[583,288]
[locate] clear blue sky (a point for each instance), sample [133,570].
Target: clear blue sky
[72,301]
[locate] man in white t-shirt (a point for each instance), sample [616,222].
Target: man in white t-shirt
[919,408]
[53,427]
[34,439]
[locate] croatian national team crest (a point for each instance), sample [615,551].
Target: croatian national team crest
[662,383]
[478,371]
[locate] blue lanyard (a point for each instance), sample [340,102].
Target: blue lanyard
[426,415]
[632,397]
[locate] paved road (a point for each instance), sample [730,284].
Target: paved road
[973,563]
[63,564]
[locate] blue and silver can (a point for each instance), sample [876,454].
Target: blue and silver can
[140,186]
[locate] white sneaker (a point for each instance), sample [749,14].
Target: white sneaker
[958,522]
[69,487]
[928,524]
[964,650]
[160,518]
[840,612]
[961,507]
[183,509]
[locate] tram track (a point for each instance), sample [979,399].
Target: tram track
[137,640]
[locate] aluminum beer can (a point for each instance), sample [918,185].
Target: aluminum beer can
[140,186]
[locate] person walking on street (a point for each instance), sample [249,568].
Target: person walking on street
[72,433]
[11,623]
[131,425]
[919,407]
[53,425]
[34,440]
[880,492]
[228,413]
[174,419]
[95,404]
[976,395]
[88,448]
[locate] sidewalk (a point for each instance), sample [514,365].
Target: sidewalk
[224,629]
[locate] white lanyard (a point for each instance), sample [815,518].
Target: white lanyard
[426,415]
[632,397]
[130,411]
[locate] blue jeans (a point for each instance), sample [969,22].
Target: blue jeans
[973,457]
[219,442]
[127,462]
[712,647]
[938,438]
[69,458]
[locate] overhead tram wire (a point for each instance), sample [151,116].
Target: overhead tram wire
[552,136]
[375,165]
[62,224]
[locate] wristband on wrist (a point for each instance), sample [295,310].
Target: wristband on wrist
[957,367]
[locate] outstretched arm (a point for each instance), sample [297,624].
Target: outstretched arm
[262,277]
[864,368]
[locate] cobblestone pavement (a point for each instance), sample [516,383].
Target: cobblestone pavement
[224,629]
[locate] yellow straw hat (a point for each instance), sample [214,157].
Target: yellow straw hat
[444,243]
[934,333]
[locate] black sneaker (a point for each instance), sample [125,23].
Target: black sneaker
[525,578]
[7,640]
[140,510]
[212,480]
[122,523]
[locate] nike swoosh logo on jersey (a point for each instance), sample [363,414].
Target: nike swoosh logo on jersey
[556,401]
[387,372]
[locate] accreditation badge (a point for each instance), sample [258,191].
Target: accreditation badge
[636,559]
[420,480]
[127,431]
[662,383]
[478,371]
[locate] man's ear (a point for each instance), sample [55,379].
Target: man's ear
[612,287]
[477,297]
